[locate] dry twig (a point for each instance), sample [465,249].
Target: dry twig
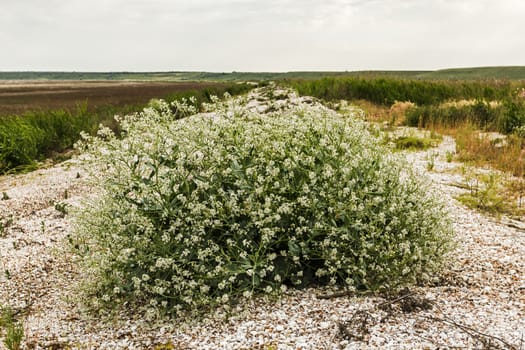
[360,320]
[484,338]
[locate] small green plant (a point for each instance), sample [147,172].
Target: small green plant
[14,336]
[415,143]
[270,347]
[485,193]
[62,208]
[431,161]
[13,330]
[449,156]
[4,224]
[166,346]
[5,196]
[412,143]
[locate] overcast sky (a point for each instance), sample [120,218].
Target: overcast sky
[259,35]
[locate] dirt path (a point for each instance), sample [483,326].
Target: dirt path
[480,299]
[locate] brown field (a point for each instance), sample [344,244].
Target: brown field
[17,97]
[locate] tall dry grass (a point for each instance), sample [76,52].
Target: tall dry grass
[503,152]
[398,112]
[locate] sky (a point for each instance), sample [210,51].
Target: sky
[259,35]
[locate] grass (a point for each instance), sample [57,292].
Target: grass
[414,143]
[490,192]
[505,153]
[503,116]
[493,105]
[36,135]
[493,193]
[39,134]
[409,139]
[13,330]
[472,122]
[387,90]
[373,112]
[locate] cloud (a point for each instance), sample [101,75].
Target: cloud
[259,35]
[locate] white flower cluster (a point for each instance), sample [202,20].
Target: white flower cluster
[223,204]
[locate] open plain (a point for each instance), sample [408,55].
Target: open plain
[20,96]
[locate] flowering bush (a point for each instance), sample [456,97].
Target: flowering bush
[234,202]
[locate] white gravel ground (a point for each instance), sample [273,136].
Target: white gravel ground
[481,298]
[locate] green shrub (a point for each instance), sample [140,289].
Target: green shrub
[514,116]
[485,194]
[411,142]
[212,207]
[483,113]
[35,135]
[11,329]
[18,142]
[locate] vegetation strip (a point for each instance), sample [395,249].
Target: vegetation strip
[475,73]
[34,136]
[468,110]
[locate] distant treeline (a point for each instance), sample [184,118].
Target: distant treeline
[37,135]
[476,73]
[194,76]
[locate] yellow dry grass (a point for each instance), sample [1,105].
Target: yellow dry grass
[398,112]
